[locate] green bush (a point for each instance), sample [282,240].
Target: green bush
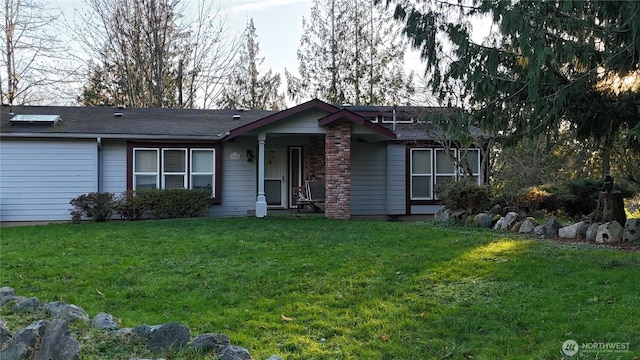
[95,206]
[464,195]
[131,206]
[579,197]
[176,203]
[532,198]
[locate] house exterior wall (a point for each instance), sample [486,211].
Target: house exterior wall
[368,179]
[396,191]
[38,178]
[239,180]
[113,166]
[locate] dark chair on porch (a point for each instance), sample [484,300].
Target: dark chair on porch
[310,195]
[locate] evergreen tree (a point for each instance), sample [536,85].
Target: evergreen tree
[246,88]
[350,52]
[546,65]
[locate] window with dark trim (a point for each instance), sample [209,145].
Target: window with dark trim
[162,166]
[430,167]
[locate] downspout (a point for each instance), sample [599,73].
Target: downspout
[99,164]
[394,118]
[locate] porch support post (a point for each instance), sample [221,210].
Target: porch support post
[261,201]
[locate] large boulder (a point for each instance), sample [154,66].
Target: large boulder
[575,231]
[631,231]
[609,233]
[22,345]
[211,342]
[26,305]
[233,352]
[7,294]
[72,313]
[552,227]
[58,343]
[169,337]
[505,223]
[592,231]
[442,215]
[104,321]
[528,224]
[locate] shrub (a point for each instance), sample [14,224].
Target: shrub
[95,206]
[131,206]
[532,198]
[464,195]
[176,203]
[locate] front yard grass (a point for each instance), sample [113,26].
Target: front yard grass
[313,288]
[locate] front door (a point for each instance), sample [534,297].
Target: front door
[275,170]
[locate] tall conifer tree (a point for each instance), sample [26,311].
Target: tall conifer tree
[246,88]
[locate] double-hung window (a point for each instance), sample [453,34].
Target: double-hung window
[421,174]
[174,168]
[431,167]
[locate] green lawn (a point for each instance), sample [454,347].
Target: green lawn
[348,290]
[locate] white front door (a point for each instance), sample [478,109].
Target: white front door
[275,171]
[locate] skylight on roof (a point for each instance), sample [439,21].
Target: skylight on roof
[36,119]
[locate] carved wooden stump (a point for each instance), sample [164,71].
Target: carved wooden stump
[610,207]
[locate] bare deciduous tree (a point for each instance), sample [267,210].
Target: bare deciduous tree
[158,53]
[32,56]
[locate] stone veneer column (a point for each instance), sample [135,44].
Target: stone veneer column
[338,170]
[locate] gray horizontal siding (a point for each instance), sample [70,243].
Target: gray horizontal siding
[113,167]
[368,179]
[38,178]
[238,181]
[396,179]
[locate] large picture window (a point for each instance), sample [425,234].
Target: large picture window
[173,168]
[431,167]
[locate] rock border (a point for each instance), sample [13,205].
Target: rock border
[51,339]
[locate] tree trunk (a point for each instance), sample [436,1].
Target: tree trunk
[610,207]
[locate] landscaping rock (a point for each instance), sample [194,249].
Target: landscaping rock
[7,294]
[477,219]
[458,216]
[528,224]
[442,215]
[57,343]
[551,228]
[54,307]
[496,210]
[145,331]
[575,231]
[26,305]
[5,334]
[609,233]
[631,231]
[72,313]
[505,223]
[209,342]
[516,227]
[22,344]
[104,321]
[233,352]
[592,231]
[274,357]
[172,336]
[538,230]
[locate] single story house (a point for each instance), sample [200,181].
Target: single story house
[373,160]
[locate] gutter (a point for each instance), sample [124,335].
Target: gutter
[111,136]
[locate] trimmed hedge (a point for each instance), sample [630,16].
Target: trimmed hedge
[136,205]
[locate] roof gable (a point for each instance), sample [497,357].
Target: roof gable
[345,114]
[309,105]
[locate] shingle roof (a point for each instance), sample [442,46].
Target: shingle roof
[160,123]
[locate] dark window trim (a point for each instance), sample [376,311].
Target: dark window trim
[188,146]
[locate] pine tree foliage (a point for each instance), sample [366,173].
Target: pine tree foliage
[544,64]
[351,52]
[247,89]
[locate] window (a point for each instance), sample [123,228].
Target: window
[202,169]
[145,169]
[174,168]
[430,167]
[421,174]
[445,167]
